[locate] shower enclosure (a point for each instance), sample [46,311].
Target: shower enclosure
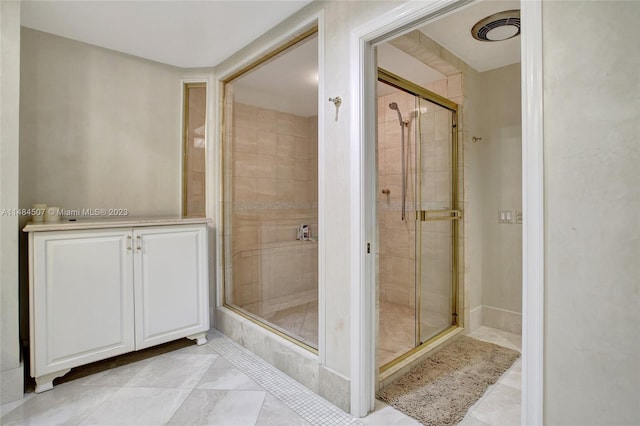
[270,197]
[418,217]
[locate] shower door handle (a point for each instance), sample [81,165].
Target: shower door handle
[431,215]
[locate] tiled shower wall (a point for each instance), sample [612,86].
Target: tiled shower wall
[397,238]
[274,190]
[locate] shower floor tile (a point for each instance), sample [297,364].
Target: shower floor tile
[295,314]
[396,331]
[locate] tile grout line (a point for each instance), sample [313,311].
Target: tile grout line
[310,406]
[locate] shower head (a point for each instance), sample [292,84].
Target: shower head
[394,106]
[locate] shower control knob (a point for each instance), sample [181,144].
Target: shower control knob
[386,191]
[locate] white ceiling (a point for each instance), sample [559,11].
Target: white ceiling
[288,83]
[193,34]
[453,31]
[187,34]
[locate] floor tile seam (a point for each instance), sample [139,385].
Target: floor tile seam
[264,398]
[133,377]
[286,381]
[478,406]
[498,385]
[148,387]
[178,354]
[475,418]
[507,384]
[178,408]
[82,420]
[512,387]
[127,386]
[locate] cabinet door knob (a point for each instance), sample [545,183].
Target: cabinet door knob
[129,242]
[139,242]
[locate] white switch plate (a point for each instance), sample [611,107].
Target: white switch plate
[505,216]
[518,217]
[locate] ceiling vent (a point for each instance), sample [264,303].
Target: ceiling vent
[497,27]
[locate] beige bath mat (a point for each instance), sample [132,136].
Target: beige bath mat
[440,390]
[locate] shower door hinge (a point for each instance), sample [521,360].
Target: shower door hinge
[368,248]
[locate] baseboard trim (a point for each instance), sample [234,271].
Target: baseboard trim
[502,319]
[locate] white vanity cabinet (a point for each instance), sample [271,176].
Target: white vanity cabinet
[97,293]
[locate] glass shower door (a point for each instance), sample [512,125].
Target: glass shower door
[418,217]
[437,218]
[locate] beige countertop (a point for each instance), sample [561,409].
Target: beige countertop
[121,222]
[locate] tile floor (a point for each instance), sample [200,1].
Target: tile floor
[221,383]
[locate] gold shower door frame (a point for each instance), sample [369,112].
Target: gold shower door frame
[453,215]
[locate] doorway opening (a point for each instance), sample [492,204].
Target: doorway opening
[484,263]
[401,21]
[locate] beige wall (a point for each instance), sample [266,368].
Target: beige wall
[99,129]
[11,374]
[492,182]
[500,157]
[591,77]
[472,125]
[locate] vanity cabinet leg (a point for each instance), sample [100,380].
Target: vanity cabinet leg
[200,338]
[45,383]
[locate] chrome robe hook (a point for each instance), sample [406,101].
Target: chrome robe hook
[337,101]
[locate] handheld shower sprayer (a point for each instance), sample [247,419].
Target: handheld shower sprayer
[394,106]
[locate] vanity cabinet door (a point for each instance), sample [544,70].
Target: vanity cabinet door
[81,298]
[171,283]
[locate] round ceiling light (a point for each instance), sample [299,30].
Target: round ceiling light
[497,27]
